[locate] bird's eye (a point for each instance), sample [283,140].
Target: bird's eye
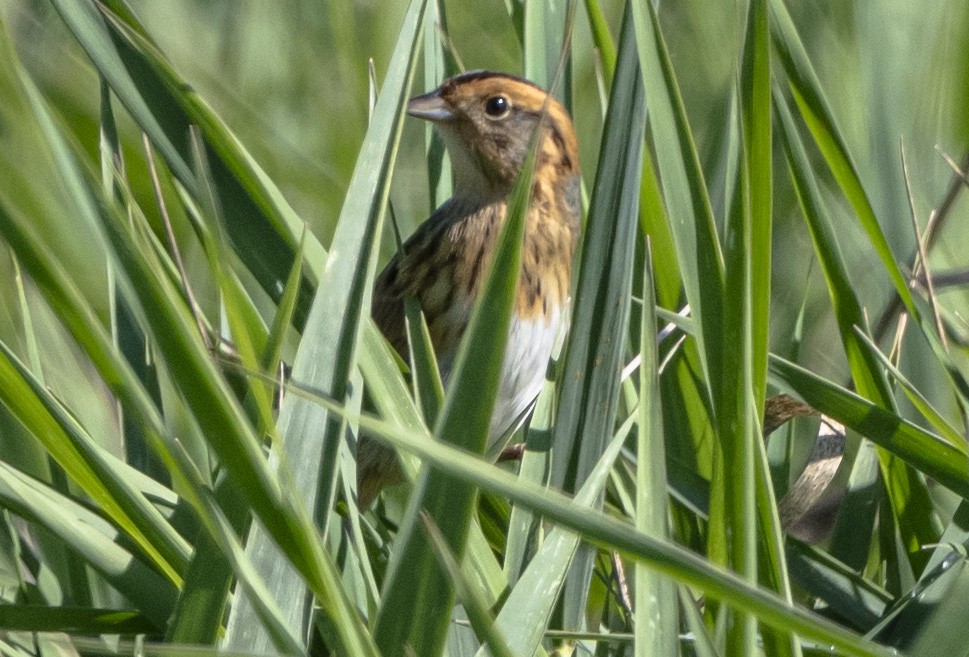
[497,106]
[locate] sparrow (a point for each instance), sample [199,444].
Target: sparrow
[486,121]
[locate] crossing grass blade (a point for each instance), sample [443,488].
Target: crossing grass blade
[917,399]
[91,468]
[214,407]
[942,601]
[92,538]
[527,612]
[854,598]
[469,597]
[604,531]
[652,213]
[925,451]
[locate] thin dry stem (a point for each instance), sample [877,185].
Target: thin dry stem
[622,584]
[923,256]
[173,245]
[932,230]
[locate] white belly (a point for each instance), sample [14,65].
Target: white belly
[527,353]
[529,348]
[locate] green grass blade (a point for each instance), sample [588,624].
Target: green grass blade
[905,492]
[265,610]
[655,224]
[523,537]
[656,623]
[385,383]
[821,122]
[595,352]
[327,352]
[684,190]
[468,596]
[525,616]
[91,468]
[199,613]
[758,157]
[428,388]
[772,560]
[602,39]
[264,230]
[931,621]
[854,598]
[272,353]
[610,533]
[926,452]
[918,400]
[218,414]
[757,116]
[249,334]
[81,620]
[438,64]
[733,528]
[91,537]
[230,435]
[820,119]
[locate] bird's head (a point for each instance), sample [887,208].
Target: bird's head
[487,119]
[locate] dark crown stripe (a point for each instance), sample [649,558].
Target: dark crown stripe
[482,74]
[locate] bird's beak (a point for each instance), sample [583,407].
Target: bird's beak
[430,107]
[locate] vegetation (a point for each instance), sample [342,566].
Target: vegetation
[194,194]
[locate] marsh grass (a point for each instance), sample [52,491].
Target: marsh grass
[743,159]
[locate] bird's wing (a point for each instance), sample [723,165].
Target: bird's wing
[410,273]
[388,305]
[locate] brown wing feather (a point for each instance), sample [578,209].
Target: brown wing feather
[407,274]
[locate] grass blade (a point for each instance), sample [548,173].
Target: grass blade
[684,190]
[263,227]
[610,533]
[656,623]
[327,353]
[905,492]
[91,537]
[820,120]
[926,452]
[595,352]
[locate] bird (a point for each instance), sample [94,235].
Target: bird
[486,120]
